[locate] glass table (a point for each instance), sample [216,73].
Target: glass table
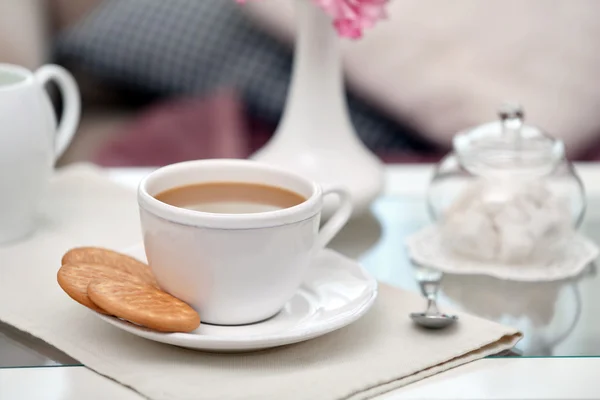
[557,318]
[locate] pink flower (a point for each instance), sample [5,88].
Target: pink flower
[351,17]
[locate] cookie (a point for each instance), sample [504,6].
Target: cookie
[144,305]
[109,258]
[75,278]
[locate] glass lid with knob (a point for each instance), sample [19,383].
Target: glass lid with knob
[508,146]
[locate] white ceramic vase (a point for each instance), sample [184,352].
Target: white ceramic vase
[316,137]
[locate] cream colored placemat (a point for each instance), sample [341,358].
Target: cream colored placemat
[380,352]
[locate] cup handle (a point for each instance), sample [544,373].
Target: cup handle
[339,218]
[72,104]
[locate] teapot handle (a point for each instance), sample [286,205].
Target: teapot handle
[72,104]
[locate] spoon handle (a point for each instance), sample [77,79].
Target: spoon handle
[429,288]
[432,308]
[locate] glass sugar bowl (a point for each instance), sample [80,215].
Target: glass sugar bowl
[506,193]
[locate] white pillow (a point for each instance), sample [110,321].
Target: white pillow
[447,65]
[24,35]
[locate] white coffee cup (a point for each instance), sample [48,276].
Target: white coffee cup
[234,268]
[30,141]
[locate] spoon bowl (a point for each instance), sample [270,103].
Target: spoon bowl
[433,321]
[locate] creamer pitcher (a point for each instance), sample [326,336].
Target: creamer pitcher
[31,141]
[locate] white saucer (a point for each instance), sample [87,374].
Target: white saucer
[337,291]
[427,248]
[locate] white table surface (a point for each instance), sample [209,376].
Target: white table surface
[499,378]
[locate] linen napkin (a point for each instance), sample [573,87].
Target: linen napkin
[380,352]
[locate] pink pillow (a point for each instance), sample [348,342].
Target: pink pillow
[180,130]
[447,65]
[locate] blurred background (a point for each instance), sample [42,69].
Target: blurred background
[170,80]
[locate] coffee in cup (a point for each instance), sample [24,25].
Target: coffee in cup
[230,197]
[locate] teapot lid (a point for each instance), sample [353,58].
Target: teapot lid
[508,146]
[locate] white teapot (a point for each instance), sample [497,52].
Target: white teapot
[31,141]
